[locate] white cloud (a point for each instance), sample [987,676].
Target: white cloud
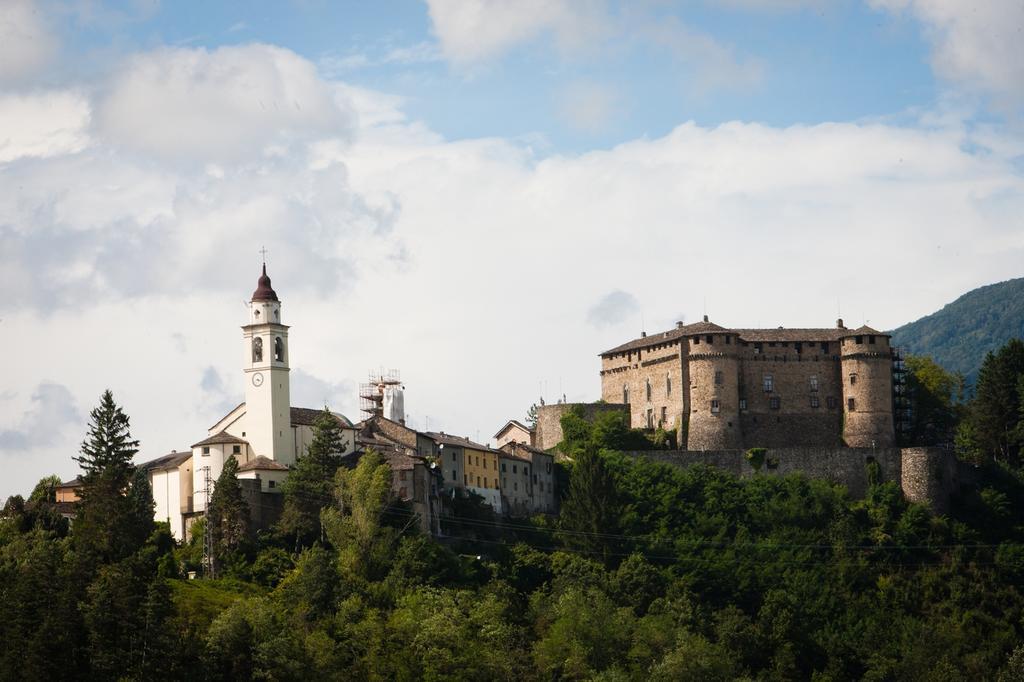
[977,44]
[589,106]
[473,30]
[26,42]
[231,103]
[42,124]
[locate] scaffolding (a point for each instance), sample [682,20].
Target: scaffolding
[371,393]
[902,405]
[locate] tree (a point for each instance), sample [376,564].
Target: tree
[228,516]
[355,525]
[935,395]
[590,512]
[531,416]
[996,409]
[309,486]
[108,523]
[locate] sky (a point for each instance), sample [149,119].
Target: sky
[484,194]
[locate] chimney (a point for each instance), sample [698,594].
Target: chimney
[679,324]
[705,318]
[839,324]
[643,335]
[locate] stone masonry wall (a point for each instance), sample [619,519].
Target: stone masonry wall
[548,432]
[926,475]
[659,365]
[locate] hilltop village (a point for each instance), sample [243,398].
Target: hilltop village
[720,391]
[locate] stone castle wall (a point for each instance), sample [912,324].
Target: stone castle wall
[867,380]
[660,366]
[548,432]
[806,406]
[926,475]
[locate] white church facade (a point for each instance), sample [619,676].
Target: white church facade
[265,434]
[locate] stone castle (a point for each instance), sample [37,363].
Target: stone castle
[725,389]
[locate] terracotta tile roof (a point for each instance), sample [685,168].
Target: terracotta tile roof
[304,416]
[169,461]
[778,334]
[783,334]
[864,330]
[220,439]
[458,441]
[510,423]
[261,463]
[75,482]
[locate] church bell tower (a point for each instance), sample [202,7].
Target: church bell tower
[267,395]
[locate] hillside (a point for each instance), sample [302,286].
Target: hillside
[959,335]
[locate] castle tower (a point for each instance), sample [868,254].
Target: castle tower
[267,392]
[866,371]
[714,369]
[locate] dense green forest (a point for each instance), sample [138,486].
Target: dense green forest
[958,336]
[649,573]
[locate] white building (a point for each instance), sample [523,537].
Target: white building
[265,433]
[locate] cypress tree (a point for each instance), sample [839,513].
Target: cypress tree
[227,520]
[309,486]
[590,512]
[997,405]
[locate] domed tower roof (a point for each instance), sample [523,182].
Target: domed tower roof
[264,292]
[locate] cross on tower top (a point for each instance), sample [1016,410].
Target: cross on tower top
[263,252]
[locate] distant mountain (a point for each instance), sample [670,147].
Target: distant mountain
[958,336]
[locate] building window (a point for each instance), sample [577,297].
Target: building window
[664,415]
[278,349]
[830,402]
[768,381]
[728,340]
[455,475]
[719,378]
[401,493]
[871,339]
[485,481]
[850,405]
[515,486]
[272,484]
[814,401]
[743,403]
[758,348]
[206,449]
[625,394]
[710,339]
[668,384]
[454,454]
[774,402]
[236,449]
[401,475]
[824,347]
[504,468]
[465,479]
[853,379]
[858,340]
[647,385]
[696,340]
[477,481]
[650,419]
[715,406]
[515,469]
[257,349]
[814,383]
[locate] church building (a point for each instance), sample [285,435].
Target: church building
[266,434]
